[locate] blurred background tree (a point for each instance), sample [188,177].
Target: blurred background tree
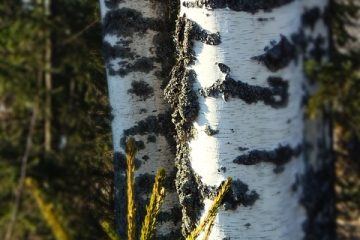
[74,169]
[339,88]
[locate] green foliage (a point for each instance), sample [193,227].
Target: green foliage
[76,176]
[339,79]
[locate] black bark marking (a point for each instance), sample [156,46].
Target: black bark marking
[180,94]
[120,50]
[120,160]
[318,51]
[112,3]
[151,138]
[119,194]
[277,56]
[224,68]
[275,96]
[310,17]
[154,125]
[239,194]
[172,235]
[125,22]
[300,41]
[251,6]
[141,89]
[174,215]
[210,132]
[142,64]
[241,149]
[279,156]
[265,19]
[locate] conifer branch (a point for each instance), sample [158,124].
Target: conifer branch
[212,211]
[110,232]
[46,211]
[131,209]
[153,209]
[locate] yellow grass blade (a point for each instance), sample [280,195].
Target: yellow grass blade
[106,226]
[46,211]
[212,211]
[131,210]
[153,209]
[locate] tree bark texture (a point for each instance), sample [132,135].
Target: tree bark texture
[238,93]
[138,51]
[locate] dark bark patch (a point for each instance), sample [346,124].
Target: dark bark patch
[174,215]
[142,64]
[141,89]
[126,22]
[117,51]
[242,149]
[154,125]
[210,132]
[275,96]
[224,68]
[112,3]
[239,194]
[120,160]
[265,19]
[199,34]
[318,51]
[188,187]
[119,194]
[279,156]
[251,6]
[300,41]
[310,17]
[172,235]
[278,56]
[151,138]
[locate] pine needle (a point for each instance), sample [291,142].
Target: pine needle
[46,211]
[130,156]
[209,227]
[153,209]
[106,226]
[212,211]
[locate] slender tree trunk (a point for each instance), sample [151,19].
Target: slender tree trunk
[237,92]
[138,52]
[48,80]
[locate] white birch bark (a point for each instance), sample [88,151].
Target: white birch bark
[132,33]
[258,139]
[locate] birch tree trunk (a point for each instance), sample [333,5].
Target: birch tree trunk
[238,92]
[138,52]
